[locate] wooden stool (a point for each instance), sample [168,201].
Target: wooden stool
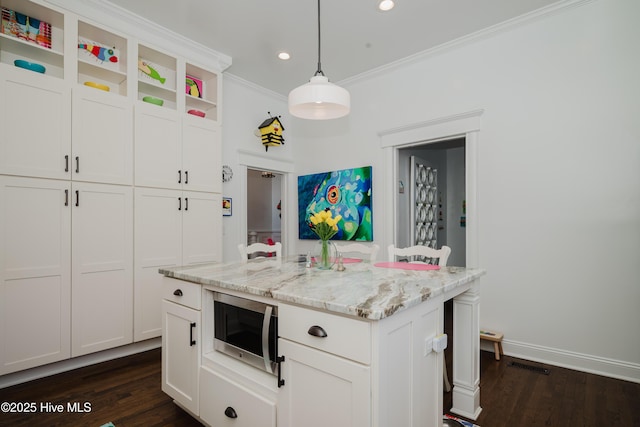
[496,338]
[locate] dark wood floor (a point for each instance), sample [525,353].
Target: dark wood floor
[127,392]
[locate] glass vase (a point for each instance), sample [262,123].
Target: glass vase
[327,255]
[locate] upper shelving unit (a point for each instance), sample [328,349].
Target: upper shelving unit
[32,33]
[201,91]
[102,59]
[157,76]
[97,56]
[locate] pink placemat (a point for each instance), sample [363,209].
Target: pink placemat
[407,266]
[344,260]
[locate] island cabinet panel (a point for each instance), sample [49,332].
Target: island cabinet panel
[181,354]
[409,372]
[342,336]
[322,389]
[228,404]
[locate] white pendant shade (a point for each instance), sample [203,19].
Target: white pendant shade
[319,100]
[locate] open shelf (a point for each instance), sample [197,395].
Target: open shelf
[159,80]
[207,100]
[12,47]
[95,48]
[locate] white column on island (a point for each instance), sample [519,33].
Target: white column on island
[466,354]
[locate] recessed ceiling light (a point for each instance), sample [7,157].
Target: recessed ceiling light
[284,56]
[385,5]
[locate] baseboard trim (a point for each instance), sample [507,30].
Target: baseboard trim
[567,359]
[14,378]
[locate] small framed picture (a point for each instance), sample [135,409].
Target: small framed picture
[226,206]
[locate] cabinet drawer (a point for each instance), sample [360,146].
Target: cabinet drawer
[181,292]
[225,403]
[345,337]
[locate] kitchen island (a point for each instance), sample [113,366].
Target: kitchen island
[376,366]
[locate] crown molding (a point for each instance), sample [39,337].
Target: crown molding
[119,19]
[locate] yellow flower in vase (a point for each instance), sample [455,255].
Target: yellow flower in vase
[325,226]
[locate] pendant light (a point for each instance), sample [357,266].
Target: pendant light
[319,99]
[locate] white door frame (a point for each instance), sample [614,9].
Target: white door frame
[465,125]
[253,160]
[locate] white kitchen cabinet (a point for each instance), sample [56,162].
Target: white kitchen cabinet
[326,369]
[172,228]
[201,227]
[228,404]
[39,140]
[102,267]
[35,121]
[35,276]
[176,152]
[59,137]
[201,154]
[322,389]
[181,351]
[343,371]
[158,150]
[102,137]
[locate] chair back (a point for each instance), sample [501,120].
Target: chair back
[263,250]
[422,251]
[360,248]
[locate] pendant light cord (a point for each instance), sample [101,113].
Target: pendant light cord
[319,71]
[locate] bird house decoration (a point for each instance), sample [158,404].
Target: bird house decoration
[271,132]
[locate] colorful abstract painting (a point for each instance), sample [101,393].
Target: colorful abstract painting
[345,192]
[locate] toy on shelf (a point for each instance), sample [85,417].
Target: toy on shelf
[150,71]
[100,52]
[193,86]
[18,25]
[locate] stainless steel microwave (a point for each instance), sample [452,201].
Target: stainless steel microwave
[246,330]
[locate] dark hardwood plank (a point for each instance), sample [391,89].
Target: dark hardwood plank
[124,391]
[127,392]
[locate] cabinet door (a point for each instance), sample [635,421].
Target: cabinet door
[158,243]
[201,227]
[201,155]
[158,152]
[35,285]
[322,390]
[102,137]
[228,404]
[35,119]
[102,269]
[180,351]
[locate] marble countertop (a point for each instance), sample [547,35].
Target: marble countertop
[362,290]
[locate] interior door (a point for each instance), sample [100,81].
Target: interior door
[423,208]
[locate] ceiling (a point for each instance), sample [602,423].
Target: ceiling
[356,36]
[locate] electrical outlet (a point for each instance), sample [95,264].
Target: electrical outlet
[439,343]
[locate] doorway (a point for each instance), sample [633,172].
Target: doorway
[446,207]
[264,206]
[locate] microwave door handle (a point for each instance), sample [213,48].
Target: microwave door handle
[266,323]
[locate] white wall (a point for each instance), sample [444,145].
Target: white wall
[245,107]
[559,173]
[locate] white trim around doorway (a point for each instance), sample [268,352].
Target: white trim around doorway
[465,125]
[252,160]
